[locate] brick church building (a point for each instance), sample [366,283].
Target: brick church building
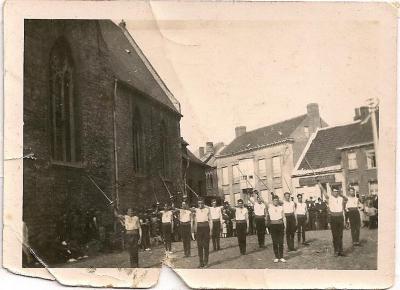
[97,118]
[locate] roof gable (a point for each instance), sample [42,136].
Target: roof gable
[131,66]
[263,136]
[321,152]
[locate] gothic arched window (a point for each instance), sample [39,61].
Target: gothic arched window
[62,104]
[137,141]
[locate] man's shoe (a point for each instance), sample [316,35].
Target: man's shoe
[276,260]
[200,266]
[282,260]
[341,254]
[336,254]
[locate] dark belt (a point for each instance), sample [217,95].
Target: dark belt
[301,215]
[337,213]
[185,223]
[241,221]
[289,214]
[132,232]
[216,220]
[203,224]
[352,209]
[260,216]
[277,222]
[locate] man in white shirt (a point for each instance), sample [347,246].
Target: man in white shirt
[167,227]
[260,211]
[354,216]
[133,232]
[336,205]
[216,216]
[302,219]
[291,224]
[203,228]
[185,224]
[242,225]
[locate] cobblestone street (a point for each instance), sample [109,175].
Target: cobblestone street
[318,255]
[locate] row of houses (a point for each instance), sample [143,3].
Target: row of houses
[288,157]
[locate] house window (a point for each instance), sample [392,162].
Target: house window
[62,104]
[306,131]
[352,159]
[137,141]
[373,187]
[371,161]
[276,166]
[236,174]
[225,177]
[262,170]
[164,149]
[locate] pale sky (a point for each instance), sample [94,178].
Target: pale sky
[254,65]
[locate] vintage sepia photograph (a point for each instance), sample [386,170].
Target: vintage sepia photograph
[219,137]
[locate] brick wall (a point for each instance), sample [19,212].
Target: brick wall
[52,189]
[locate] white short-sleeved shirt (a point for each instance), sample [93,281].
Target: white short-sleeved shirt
[335,204]
[184,215]
[202,214]
[288,206]
[259,209]
[275,212]
[352,202]
[301,208]
[166,216]
[240,214]
[131,222]
[216,213]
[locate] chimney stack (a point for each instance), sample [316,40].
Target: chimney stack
[209,147]
[361,113]
[201,152]
[314,119]
[239,131]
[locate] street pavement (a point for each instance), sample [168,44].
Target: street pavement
[317,255]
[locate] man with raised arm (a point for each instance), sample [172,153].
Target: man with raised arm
[216,215]
[260,213]
[133,232]
[336,205]
[291,222]
[203,226]
[242,225]
[302,219]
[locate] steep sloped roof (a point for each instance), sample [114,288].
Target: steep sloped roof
[194,159]
[131,66]
[322,151]
[263,136]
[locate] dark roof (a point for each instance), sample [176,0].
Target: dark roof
[263,136]
[128,64]
[322,151]
[194,159]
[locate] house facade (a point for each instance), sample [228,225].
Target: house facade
[264,158]
[99,121]
[340,157]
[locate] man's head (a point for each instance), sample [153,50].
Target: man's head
[185,205]
[300,197]
[335,192]
[130,212]
[259,199]
[352,192]
[214,202]
[201,202]
[240,203]
[287,196]
[275,200]
[166,207]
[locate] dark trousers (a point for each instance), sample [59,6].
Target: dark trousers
[337,225]
[290,231]
[260,226]
[145,237]
[277,232]
[215,235]
[186,237]
[355,224]
[166,230]
[203,243]
[301,228]
[241,231]
[133,239]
